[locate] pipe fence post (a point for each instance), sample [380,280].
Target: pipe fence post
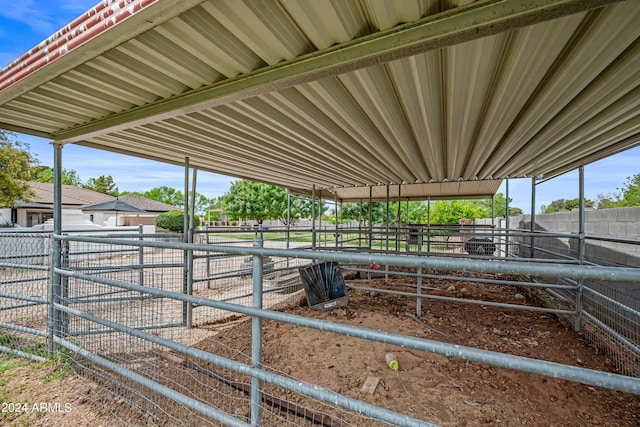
[185,238]
[256,334]
[64,289]
[141,255]
[53,322]
[581,253]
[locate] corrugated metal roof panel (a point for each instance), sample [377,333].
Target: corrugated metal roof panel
[350,94]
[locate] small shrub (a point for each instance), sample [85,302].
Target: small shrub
[174,221]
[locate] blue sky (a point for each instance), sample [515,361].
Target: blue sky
[25,23]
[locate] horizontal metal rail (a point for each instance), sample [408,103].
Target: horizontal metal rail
[117,268]
[18,232]
[92,299]
[22,354]
[630,345]
[297,386]
[24,280]
[12,307]
[24,256]
[110,330]
[552,369]
[25,266]
[611,301]
[23,329]
[618,274]
[196,405]
[466,301]
[470,279]
[109,252]
[23,298]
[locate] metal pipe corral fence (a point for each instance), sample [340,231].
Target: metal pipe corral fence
[132,289]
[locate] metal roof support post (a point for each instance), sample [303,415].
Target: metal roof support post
[506,219]
[386,267]
[256,334]
[407,212]
[288,220]
[532,247]
[313,217]
[428,226]
[370,217]
[360,225]
[185,239]
[398,222]
[192,214]
[335,210]
[141,255]
[53,322]
[320,223]
[493,210]
[493,217]
[581,253]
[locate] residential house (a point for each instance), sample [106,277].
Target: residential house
[40,209]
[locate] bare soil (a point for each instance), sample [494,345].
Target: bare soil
[434,388]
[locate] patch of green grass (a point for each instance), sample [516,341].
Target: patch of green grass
[8,363]
[60,371]
[24,421]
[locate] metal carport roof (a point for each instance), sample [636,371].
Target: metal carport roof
[442,97]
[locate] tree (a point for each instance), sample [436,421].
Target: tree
[451,211]
[173,197]
[45,174]
[500,207]
[606,201]
[360,212]
[418,211]
[630,193]
[249,200]
[165,194]
[102,184]
[627,196]
[16,167]
[562,205]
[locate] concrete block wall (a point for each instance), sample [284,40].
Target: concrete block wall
[611,223]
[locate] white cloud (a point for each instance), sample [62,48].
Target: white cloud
[32,14]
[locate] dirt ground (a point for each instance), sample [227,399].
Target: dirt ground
[437,389]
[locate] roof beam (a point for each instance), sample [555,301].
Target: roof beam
[458,25]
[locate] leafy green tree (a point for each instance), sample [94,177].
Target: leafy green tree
[173,197]
[562,205]
[451,211]
[500,207]
[515,211]
[102,184]
[204,205]
[45,174]
[360,212]
[165,194]
[630,193]
[418,211]
[16,167]
[606,201]
[250,200]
